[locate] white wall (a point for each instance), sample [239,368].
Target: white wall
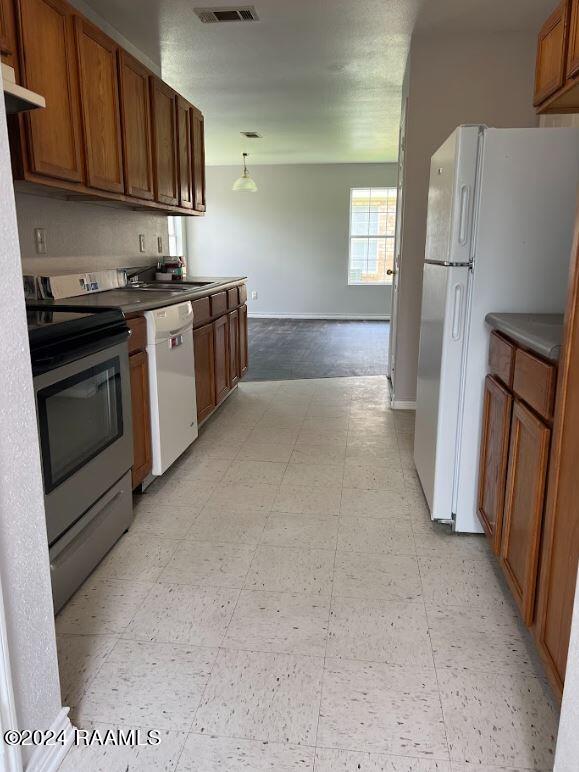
[452,80]
[83,236]
[290,238]
[568,738]
[24,567]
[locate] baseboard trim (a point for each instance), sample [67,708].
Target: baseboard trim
[398,404]
[48,758]
[352,317]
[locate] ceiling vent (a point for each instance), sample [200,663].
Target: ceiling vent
[233,13]
[251,134]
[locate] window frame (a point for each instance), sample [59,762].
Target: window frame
[387,282]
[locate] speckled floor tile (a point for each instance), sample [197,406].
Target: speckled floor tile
[507,720]
[380,631]
[102,606]
[175,613]
[381,708]
[271,434]
[152,685]
[207,564]
[279,622]
[284,569]
[168,522]
[238,497]
[433,539]
[266,451]
[190,494]
[314,474]
[228,527]
[162,757]
[366,534]
[458,767]
[286,530]
[378,504]
[462,582]
[139,556]
[257,696]
[202,467]
[248,472]
[390,577]
[491,639]
[317,454]
[328,760]
[210,754]
[79,659]
[308,499]
[374,476]
[315,436]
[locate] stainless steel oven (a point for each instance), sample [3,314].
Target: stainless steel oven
[83,404]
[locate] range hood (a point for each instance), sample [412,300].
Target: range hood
[17,98]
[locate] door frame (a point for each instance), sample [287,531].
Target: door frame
[10,755]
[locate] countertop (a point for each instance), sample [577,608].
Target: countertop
[132,301]
[541,333]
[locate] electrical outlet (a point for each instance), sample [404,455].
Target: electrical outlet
[160,245]
[40,240]
[142,242]
[254,295]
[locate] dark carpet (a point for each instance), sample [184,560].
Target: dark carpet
[287,349]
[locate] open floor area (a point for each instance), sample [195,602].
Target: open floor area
[283,602]
[285,349]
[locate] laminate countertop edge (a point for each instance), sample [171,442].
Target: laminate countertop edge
[540,333]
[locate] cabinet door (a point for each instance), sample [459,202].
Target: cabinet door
[243,342]
[7,32]
[573,51]
[99,97]
[136,127]
[524,505]
[142,454]
[550,64]
[494,451]
[204,371]
[234,368]
[221,346]
[53,135]
[184,153]
[164,142]
[198,151]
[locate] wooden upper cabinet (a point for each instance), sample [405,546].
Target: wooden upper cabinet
[496,426]
[524,505]
[136,129]
[551,49]
[8,33]
[163,107]
[49,67]
[99,93]
[573,49]
[198,151]
[184,153]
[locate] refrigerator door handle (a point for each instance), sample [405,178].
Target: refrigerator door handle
[463,220]
[457,311]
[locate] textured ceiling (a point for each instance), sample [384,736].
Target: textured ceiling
[319,79]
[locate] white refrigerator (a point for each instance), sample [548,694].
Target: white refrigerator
[501,208]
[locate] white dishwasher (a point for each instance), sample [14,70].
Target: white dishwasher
[171,383]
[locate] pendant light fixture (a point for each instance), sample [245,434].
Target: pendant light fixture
[245,183]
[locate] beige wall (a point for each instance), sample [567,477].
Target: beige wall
[86,236]
[290,238]
[451,80]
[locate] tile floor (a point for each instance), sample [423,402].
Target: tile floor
[282,602]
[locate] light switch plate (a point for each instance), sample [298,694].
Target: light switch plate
[254,295]
[40,240]
[160,245]
[142,242]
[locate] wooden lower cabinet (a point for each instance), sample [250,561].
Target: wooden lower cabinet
[234,369]
[142,453]
[204,371]
[221,353]
[494,453]
[243,342]
[524,505]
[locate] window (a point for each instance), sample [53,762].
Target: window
[175,227]
[372,230]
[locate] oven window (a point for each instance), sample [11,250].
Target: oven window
[78,418]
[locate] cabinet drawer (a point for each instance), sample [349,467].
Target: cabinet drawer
[534,382]
[232,298]
[242,293]
[218,303]
[201,311]
[138,336]
[502,358]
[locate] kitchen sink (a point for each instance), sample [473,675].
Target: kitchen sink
[164,286]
